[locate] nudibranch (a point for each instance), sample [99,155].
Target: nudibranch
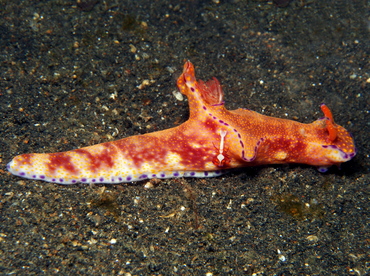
[212,141]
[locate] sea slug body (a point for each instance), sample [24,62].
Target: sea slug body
[212,141]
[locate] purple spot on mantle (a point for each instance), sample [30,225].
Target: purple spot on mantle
[61,180]
[205,108]
[42,176]
[192,89]
[74,181]
[163,175]
[120,179]
[33,176]
[221,121]
[22,174]
[53,180]
[83,180]
[192,173]
[93,180]
[176,174]
[205,173]
[143,176]
[101,179]
[218,104]
[325,146]
[128,178]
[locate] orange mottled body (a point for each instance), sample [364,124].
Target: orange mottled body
[212,140]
